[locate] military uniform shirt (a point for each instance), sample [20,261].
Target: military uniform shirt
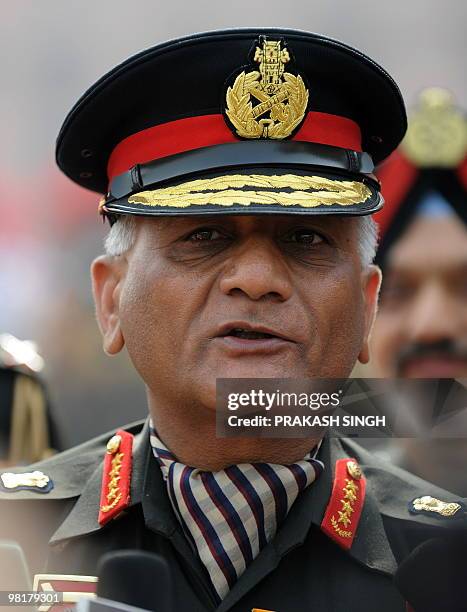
[231,514]
[300,568]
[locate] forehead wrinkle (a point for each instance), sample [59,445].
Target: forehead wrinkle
[163,222]
[171,221]
[156,226]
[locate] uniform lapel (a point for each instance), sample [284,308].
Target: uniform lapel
[370,546]
[82,519]
[147,489]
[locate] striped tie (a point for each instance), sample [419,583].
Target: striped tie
[230,515]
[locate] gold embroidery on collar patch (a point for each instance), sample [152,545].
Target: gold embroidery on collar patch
[244,190]
[114,495]
[280,98]
[345,514]
[431,504]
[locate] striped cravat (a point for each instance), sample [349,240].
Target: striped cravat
[230,515]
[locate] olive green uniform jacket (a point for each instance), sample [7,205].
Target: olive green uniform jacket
[300,569]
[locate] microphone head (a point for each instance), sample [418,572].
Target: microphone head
[14,571]
[433,577]
[136,578]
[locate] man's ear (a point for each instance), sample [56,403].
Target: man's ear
[107,275]
[371,283]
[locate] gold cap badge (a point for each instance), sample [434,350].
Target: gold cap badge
[269,102]
[437,134]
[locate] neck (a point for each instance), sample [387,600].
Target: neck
[189,432]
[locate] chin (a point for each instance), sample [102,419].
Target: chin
[261,370]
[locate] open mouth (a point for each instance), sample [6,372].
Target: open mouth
[247,334]
[241,334]
[239,338]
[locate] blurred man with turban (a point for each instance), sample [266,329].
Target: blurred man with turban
[421,326]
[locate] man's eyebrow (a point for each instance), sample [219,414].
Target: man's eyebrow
[164,223]
[169,221]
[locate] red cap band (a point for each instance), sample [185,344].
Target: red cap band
[462,173]
[397,176]
[208,130]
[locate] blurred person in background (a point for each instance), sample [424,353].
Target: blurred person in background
[421,325]
[421,328]
[27,430]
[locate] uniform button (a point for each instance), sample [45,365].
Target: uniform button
[354,470]
[113,444]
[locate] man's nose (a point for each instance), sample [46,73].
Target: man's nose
[435,315]
[257,270]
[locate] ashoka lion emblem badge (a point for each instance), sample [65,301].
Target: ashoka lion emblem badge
[269,102]
[428,504]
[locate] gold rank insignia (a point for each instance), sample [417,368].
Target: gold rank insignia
[437,134]
[116,476]
[345,505]
[269,102]
[36,481]
[432,506]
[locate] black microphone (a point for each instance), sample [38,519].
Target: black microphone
[136,578]
[434,576]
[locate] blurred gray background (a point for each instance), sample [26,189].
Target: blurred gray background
[51,52]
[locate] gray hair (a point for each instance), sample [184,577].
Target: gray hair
[122,235]
[367,239]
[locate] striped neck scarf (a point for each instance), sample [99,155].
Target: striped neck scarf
[230,515]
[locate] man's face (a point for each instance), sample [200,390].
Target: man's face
[421,327]
[228,296]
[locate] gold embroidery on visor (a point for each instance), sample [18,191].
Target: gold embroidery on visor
[243,190]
